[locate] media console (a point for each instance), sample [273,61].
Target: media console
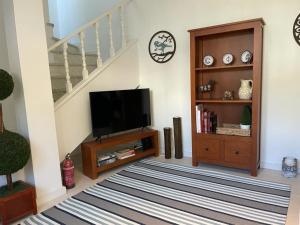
[89,151]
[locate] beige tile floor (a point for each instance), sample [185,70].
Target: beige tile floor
[83,182]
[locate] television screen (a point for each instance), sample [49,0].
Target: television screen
[116,111]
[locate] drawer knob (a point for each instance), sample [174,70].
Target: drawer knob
[237,152]
[206,149]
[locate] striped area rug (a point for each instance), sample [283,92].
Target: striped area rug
[151,192]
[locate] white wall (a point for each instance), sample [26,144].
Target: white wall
[69,15]
[8,104]
[8,107]
[72,14]
[170,82]
[53,16]
[121,74]
[26,44]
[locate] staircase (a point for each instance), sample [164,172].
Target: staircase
[69,63]
[75,72]
[58,72]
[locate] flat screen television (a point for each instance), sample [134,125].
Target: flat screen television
[116,111]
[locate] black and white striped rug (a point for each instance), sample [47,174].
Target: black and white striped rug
[151,192]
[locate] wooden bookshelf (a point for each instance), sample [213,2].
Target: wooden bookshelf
[89,151]
[234,38]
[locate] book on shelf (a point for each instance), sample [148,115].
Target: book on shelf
[198,118]
[126,156]
[125,153]
[106,159]
[206,121]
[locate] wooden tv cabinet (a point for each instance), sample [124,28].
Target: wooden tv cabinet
[89,151]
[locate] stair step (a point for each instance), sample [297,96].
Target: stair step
[75,70]
[58,93]
[50,24]
[71,48]
[59,82]
[71,64]
[63,77]
[73,58]
[49,34]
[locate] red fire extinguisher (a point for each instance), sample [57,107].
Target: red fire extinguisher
[68,172]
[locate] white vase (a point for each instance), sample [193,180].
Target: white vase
[245,91]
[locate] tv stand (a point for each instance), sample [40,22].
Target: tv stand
[89,151]
[98,139]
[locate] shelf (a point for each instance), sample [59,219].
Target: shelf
[246,66]
[224,136]
[221,101]
[118,162]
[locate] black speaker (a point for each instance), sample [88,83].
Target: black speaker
[147,143]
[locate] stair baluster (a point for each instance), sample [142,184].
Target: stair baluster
[99,59]
[112,48]
[85,73]
[68,79]
[123,26]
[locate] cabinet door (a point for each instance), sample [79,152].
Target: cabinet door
[208,149]
[238,152]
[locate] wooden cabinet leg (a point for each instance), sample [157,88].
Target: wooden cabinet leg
[253,172]
[195,163]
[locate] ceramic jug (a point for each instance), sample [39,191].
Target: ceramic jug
[245,91]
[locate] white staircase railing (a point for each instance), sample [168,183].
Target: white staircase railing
[80,32]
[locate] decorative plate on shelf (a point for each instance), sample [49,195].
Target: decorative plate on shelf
[162,46]
[208,60]
[246,56]
[228,59]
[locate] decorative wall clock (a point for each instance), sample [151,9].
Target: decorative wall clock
[162,46]
[296,29]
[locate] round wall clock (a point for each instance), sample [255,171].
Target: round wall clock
[162,46]
[296,29]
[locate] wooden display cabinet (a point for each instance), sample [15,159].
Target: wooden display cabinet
[89,151]
[234,38]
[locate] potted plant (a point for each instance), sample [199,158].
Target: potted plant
[246,118]
[14,154]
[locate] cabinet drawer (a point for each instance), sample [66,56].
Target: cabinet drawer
[209,149]
[238,152]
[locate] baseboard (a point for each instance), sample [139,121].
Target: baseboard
[42,200]
[185,154]
[273,166]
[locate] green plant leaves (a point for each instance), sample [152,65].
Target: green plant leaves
[6,84]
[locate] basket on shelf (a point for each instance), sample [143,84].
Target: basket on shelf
[233,129]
